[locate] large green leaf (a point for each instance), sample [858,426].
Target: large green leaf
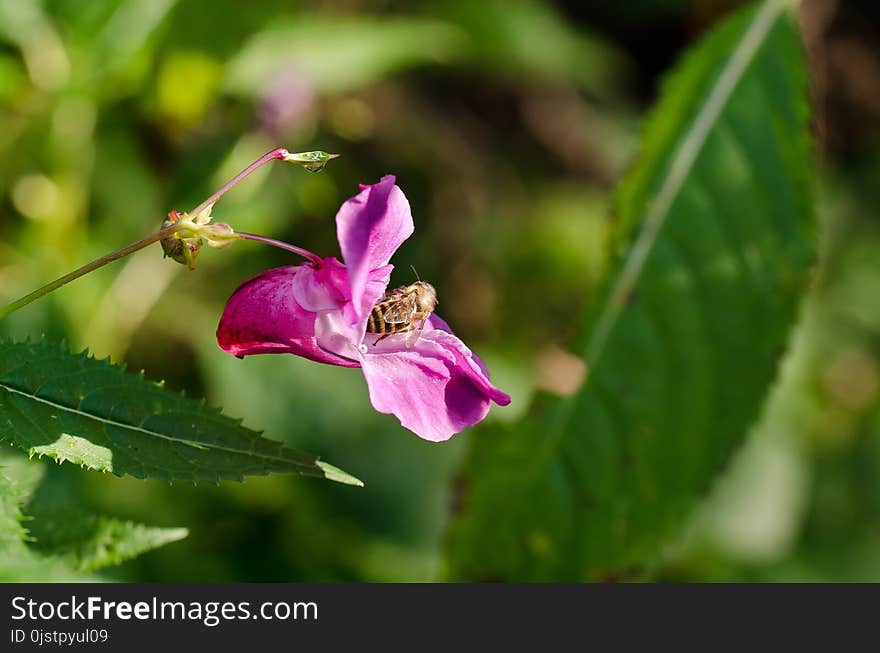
[710,253]
[86,411]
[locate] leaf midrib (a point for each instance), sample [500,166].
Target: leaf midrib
[686,155]
[687,152]
[139,429]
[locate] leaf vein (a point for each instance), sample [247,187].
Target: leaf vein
[148,432]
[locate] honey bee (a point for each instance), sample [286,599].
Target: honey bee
[402,310]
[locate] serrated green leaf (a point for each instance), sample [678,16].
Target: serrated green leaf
[17,562]
[62,528]
[74,408]
[12,533]
[89,542]
[23,566]
[711,252]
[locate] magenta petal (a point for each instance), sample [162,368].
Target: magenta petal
[356,317]
[263,317]
[435,388]
[436,322]
[467,360]
[370,227]
[321,289]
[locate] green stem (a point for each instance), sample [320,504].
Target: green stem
[89,267]
[312,161]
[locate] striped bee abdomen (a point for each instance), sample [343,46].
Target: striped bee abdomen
[402,309]
[378,323]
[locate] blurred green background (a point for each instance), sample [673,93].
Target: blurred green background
[507,124]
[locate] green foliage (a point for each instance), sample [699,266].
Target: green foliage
[87,542]
[710,255]
[804,502]
[45,537]
[505,122]
[514,37]
[319,46]
[508,36]
[12,533]
[78,409]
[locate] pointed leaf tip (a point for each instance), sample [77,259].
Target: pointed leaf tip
[161,434]
[332,473]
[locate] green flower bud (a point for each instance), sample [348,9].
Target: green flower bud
[310,161]
[182,249]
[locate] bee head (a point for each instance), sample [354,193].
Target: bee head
[426,296]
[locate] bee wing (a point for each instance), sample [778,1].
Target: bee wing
[398,310]
[394,293]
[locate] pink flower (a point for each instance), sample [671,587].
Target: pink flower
[319,310]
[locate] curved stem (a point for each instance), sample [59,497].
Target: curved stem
[278,153]
[314,258]
[88,267]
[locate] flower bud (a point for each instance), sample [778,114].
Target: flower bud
[310,161]
[181,249]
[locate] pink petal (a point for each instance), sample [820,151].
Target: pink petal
[436,387]
[436,322]
[323,288]
[356,316]
[370,227]
[263,317]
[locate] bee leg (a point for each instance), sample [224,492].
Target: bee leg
[381,338]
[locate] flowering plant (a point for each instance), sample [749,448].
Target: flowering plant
[319,310]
